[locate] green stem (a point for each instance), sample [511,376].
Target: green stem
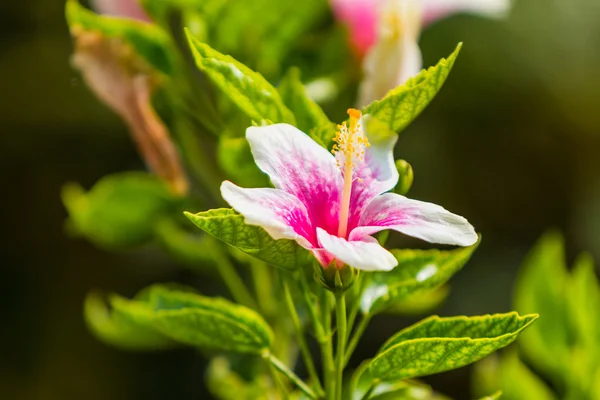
[322,334]
[281,367]
[327,349]
[232,279]
[364,322]
[340,311]
[278,381]
[372,388]
[308,360]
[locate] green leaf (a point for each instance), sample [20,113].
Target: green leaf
[247,89]
[396,390]
[125,327]
[262,39]
[420,303]
[541,288]
[584,302]
[403,104]
[228,226]
[515,379]
[189,248]
[309,115]
[148,40]
[417,271]
[225,384]
[209,322]
[235,158]
[442,344]
[121,210]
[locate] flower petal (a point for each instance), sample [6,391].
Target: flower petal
[434,10]
[297,165]
[366,254]
[415,218]
[282,215]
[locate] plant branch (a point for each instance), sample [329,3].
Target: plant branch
[340,311]
[362,326]
[281,367]
[307,357]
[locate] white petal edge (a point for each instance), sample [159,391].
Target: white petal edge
[419,219]
[366,254]
[268,208]
[437,9]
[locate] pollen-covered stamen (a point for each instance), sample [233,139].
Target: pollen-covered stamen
[349,151]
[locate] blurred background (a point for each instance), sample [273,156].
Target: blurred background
[512,142]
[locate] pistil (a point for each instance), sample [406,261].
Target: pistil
[349,150]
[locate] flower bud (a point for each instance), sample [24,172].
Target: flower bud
[334,278]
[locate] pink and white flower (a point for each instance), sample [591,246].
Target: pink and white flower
[386,33]
[332,204]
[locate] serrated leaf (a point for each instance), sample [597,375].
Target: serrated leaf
[308,114]
[441,344]
[121,210]
[540,288]
[209,322]
[127,328]
[229,226]
[148,40]
[249,90]
[417,271]
[403,104]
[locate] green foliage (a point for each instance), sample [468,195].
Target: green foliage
[163,315]
[403,104]
[362,381]
[186,247]
[421,302]
[235,158]
[406,177]
[148,41]
[417,271]
[121,210]
[122,327]
[564,346]
[226,384]
[541,286]
[517,381]
[494,396]
[310,117]
[249,90]
[229,226]
[209,322]
[441,344]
